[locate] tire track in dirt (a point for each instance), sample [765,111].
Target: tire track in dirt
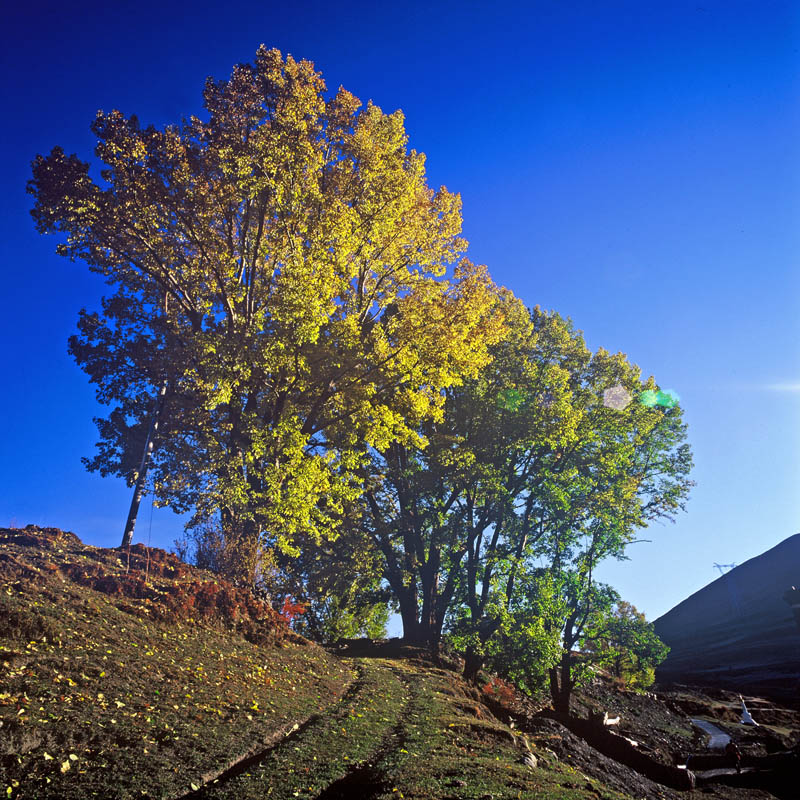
[258,752]
[367,779]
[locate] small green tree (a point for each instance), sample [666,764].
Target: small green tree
[597,628]
[528,643]
[585,603]
[626,644]
[559,627]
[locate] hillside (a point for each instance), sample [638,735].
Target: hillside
[137,676]
[153,679]
[738,632]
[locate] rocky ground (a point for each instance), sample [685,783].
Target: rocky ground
[660,724]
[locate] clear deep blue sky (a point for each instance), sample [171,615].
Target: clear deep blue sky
[633,165]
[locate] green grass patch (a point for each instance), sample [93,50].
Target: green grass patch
[454,748]
[346,737]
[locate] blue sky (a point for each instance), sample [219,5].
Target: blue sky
[633,165]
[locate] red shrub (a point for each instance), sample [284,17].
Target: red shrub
[290,610]
[500,691]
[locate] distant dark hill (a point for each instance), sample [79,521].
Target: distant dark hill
[738,632]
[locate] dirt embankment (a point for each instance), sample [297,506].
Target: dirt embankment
[145,581]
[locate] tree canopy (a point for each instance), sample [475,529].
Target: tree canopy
[278,268]
[528,466]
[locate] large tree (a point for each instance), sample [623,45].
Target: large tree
[279,303]
[528,464]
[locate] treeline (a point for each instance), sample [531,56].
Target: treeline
[296,351]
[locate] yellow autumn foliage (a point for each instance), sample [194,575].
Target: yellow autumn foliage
[283,266]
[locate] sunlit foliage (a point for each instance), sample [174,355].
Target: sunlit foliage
[279,264]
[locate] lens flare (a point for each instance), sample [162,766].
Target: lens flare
[667,398]
[649,398]
[617,397]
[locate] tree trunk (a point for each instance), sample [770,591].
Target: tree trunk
[561,685]
[409,612]
[420,632]
[141,479]
[430,629]
[473,663]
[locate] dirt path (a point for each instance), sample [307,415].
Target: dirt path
[256,753]
[367,780]
[335,755]
[718,738]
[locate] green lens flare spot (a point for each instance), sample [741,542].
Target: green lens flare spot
[668,398]
[649,398]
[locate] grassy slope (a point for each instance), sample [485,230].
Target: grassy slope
[114,686]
